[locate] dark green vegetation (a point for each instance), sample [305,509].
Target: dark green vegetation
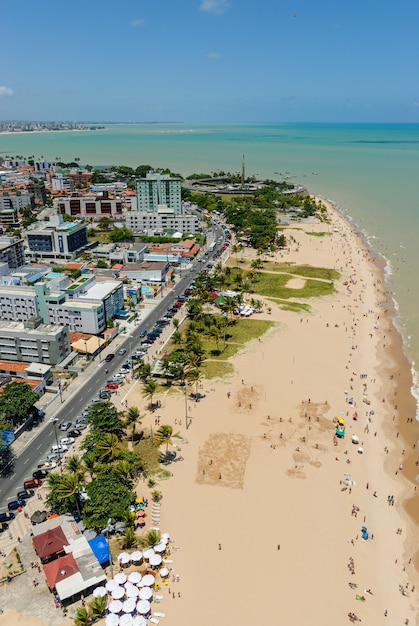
[15,402]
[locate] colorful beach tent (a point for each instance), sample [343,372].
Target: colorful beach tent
[100,548]
[340,432]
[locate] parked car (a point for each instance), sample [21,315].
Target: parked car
[104,394]
[25,494]
[7,517]
[65,425]
[118,378]
[32,483]
[81,425]
[124,370]
[81,420]
[74,433]
[3,526]
[39,473]
[122,351]
[47,466]
[96,401]
[112,385]
[109,357]
[60,448]
[67,441]
[16,504]
[143,332]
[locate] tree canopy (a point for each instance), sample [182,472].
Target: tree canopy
[15,402]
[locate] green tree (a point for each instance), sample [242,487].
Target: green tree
[151,539]
[129,539]
[107,448]
[132,418]
[149,390]
[15,402]
[98,607]
[109,496]
[164,435]
[82,616]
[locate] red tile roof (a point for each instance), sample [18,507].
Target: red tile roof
[60,569]
[50,542]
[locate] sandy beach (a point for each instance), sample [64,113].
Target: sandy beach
[266,512]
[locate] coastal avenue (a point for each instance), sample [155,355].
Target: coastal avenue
[36,450]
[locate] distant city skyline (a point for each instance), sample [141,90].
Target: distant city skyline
[210,61]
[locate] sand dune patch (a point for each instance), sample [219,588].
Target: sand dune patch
[222,460]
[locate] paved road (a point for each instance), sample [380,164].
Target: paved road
[40,445]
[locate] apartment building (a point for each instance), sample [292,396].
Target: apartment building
[158,189]
[161,221]
[12,251]
[91,206]
[16,200]
[33,341]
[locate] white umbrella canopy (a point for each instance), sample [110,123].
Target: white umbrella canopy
[136,556]
[155,560]
[139,620]
[165,536]
[99,592]
[115,606]
[148,552]
[164,572]
[120,578]
[118,593]
[146,593]
[124,557]
[160,547]
[134,577]
[126,620]
[112,620]
[131,591]
[147,580]
[129,605]
[143,606]
[111,584]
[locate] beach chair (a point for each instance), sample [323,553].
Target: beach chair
[159,614]
[168,561]
[158,597]
[153,620]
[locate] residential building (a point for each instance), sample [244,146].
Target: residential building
[17,200]
[93,206]
[56,239]
[38,192]
[12,251]
[160,221]
[33,341]
[135,253]
[9,218]
[147,271]
[109,293]
[158,189]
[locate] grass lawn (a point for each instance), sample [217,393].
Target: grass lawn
[274,286]
[319,234]
[295,307]
[308,271]
[217,369]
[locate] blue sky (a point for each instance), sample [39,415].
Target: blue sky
[210,60]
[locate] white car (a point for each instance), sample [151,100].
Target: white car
[61,448]
[124,370]
[67,441]
[118,378]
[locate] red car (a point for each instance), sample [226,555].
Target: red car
[112,386]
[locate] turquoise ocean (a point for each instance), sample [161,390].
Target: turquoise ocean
[370,171]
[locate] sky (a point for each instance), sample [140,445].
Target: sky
[210,60]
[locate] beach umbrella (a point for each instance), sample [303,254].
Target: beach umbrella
[146,593]
[134,577]
[340,432]
[148,552]
[360,450]
[160,547]
[164,572]
[124,558]
[38,517]
[118,593]
[99,592]
[112,620]
[120,578]
[143,607]
[139,620]
[136,556]
[115,606]
[155,560]
[111,584]
[340,420]
[165,536]
[355,439]
[125,620]
[131,591]
[129,605]
[147,580]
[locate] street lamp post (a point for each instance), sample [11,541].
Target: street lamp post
[99,350]
[60,390]
[54,421]
[186,405]
[109,549]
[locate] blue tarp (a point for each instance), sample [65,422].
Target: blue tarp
[100,548]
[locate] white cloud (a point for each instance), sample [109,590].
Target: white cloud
[137,22]
[213,55]
[5,91]
[215,6]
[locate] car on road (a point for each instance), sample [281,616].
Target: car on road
[74,433]
[7,517]
[65,425]
[122,351]
[112,385]
[95,401]
[81,425]
[39,473]
[53,457]
[3,526]
[67,441]
[143,332]
[32,483]
[25,494]
[118,378]
[60,448]
[16,504]
[109,357]
[124,370]
[104,394]
[47,466]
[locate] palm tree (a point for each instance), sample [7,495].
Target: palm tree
[90,462]
[132,416]
[257,264]
[74,465]
[107,448]
[195,376]
[164,436]
[129,539]
[98,607]
[82,617]
[68,489]
[151,539]
[177,338]
[143,370]
[149,390]
[236,248]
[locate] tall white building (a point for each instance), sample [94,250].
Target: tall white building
[158,189]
